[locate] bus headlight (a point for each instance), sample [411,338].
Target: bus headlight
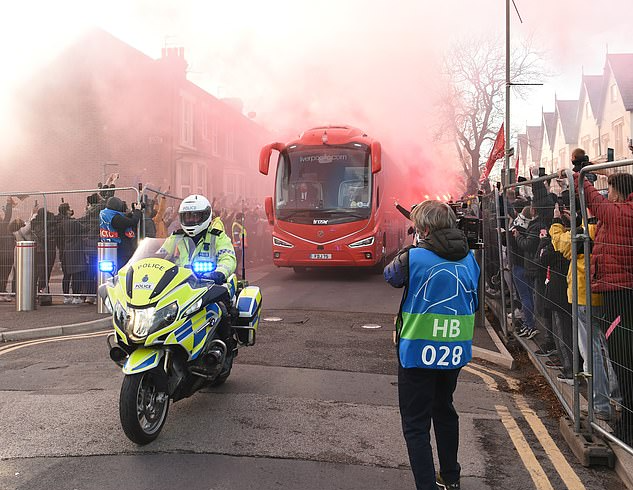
[365,242]
[281,243]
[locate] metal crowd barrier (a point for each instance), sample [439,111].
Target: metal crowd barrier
[592,370]
[65,255]
[160,214]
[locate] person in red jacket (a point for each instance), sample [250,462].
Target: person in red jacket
[612,275]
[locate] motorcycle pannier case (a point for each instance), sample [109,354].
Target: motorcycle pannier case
[249,306]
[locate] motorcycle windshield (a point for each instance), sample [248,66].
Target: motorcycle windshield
[177,249]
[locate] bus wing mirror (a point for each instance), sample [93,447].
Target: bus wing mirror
[264,156]
[376,157]
[268,206]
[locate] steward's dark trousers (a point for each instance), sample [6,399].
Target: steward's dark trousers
[425,395]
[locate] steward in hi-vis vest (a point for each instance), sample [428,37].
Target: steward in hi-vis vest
[238,231]
[436,318]
[434,332]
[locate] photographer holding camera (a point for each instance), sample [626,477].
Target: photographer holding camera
[434,337]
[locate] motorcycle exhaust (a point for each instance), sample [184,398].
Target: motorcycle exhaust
[118,355]
[214,357]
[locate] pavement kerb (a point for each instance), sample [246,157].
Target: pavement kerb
[502,358]
[56,331]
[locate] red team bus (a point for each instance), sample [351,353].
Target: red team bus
[334,201]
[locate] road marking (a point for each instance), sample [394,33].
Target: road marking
[513,383]
[569,476]
[560,463]
[525,451]
[28,343]
[489,380]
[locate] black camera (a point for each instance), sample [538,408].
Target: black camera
[470,225]
[580,162]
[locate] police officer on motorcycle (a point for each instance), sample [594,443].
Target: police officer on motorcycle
[212,244]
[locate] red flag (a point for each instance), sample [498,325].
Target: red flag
[498,151]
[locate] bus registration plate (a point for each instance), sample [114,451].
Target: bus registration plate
[321,256]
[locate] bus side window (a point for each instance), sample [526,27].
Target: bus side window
[377,197]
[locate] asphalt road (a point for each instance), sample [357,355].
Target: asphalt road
[313,405]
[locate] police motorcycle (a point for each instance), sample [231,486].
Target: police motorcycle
[167,320]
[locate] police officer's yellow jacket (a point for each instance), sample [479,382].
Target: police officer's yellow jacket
[216,246]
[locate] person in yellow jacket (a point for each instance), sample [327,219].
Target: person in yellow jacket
[208,235]
[161,227]
[605,385]
[240,240]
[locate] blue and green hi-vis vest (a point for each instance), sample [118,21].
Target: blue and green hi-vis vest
[437,315]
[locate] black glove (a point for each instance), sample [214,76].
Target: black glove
[217,277]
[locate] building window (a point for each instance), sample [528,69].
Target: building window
[215,137]
[587,109]
[605,143]
[618,138]
[614,92]
[192,178]
[205,125]
[234,184]
[185,178]
[229,137]
[585,142]
[562,155]
[596,147]
[186,126]
[201,179]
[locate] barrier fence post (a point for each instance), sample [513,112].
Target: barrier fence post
[25,276]
[105,251]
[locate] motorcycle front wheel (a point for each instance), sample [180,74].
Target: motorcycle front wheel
[142,407]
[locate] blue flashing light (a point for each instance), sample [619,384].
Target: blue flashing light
[203,266]
[107,266]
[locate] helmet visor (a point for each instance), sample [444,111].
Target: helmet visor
[194,218]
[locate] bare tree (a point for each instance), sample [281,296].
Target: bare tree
[472,104]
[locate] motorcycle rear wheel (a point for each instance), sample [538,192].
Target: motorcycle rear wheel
[142,408]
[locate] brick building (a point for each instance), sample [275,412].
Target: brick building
[103,106]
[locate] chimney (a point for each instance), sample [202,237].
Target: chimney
[173,60]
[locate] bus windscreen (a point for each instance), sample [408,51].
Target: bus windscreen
[330,183]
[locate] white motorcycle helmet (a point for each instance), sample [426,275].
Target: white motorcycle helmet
[195,214]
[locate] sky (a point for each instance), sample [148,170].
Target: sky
[370,63]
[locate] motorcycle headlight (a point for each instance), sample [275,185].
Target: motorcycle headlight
[164,316]
[108,304]
[193,308]
[139,323]
[365,242]
[120,315]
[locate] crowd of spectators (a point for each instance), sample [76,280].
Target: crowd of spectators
[67,242]
[539,254]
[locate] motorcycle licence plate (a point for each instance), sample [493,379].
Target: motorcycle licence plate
[320,256]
